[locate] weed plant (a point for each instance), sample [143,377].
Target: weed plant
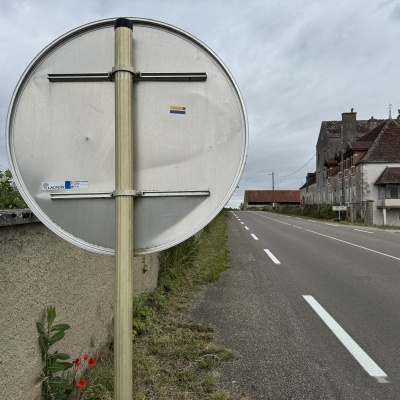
[174,357]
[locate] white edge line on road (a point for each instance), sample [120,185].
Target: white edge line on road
[272,219]
[356,351]
[353,244]
[360,230]
[272,257]
[327,223]
[246,228]
[254,236]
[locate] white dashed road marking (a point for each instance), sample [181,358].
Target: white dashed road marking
[272,257]
[356,351]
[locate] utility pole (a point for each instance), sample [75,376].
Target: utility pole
[273,190]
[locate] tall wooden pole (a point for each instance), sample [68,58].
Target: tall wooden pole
[123,210]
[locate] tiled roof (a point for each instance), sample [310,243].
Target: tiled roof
[269,196]
[372,135]
[389,175]
[334,128]
[386,145]
[311,179]
[360,144]
[331,161]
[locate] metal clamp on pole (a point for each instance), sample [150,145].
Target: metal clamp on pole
[125,68]
[133,193]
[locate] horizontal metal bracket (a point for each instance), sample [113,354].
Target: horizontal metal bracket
[89,77]
[134,193]
[137,76]
[174,193]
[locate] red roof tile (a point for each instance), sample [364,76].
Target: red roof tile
[269,196]
[386,146]
[389,175]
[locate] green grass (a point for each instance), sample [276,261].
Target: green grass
[173,357]
[323,213]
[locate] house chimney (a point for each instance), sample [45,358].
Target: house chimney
[349,125]
[372,123]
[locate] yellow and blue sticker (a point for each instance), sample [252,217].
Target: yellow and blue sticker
[177,110]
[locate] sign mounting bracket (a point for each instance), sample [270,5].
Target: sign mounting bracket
[134,193]
[136,75]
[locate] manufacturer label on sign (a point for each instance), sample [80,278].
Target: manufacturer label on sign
[65,185]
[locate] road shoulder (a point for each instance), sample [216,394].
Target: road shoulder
[251,316]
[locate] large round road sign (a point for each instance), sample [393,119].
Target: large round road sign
[190,136]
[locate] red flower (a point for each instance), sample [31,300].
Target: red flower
[76,362]
[80,383]
[85,357]
[91,362]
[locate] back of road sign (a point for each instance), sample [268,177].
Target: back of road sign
[190,136]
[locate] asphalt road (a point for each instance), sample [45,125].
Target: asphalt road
[311,308]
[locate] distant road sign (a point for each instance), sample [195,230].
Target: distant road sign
[191,135]
[339,208]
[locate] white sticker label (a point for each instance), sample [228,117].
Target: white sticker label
[67,185]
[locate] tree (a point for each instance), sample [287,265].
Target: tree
[9,195]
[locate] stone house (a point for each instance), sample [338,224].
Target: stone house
[332,139]
[307,191]
[358,165]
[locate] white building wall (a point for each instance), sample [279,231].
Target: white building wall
[370,174]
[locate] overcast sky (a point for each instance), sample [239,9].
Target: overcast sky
[296,63]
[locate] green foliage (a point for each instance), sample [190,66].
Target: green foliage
[307,210]
[59,376]
[53,387]
[142,314]
[173,264]
[9,195]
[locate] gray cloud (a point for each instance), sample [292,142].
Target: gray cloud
[296,63]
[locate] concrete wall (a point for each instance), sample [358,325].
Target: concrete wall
[37,269]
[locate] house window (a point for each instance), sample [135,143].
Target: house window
[392,191]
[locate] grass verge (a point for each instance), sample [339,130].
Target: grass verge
[174,358]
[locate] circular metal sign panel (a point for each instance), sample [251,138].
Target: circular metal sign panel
[190,136]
